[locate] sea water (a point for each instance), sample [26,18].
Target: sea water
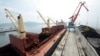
[29,27]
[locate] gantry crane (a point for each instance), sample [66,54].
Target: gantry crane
[17,23]
[76,13]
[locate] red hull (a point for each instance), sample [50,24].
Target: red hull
[36,44]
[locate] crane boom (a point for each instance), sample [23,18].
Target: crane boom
[9,14]
[47,23]
[11,17]
[42,17]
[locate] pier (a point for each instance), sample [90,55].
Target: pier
[7,30]
[74,44]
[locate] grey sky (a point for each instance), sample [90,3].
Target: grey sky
[56,9]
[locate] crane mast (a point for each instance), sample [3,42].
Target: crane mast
[20,24]
[21,27]
[47,23]
[52,21]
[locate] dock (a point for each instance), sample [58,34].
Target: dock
[8,30]
[74,43]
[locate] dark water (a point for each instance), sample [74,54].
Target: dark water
[29,27]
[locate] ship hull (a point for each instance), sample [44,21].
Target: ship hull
[20,47]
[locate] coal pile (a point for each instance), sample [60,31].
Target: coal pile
[90,33]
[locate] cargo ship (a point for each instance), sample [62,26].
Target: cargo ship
[45,43]
[33,44]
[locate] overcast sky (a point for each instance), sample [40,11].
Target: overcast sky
[56,9]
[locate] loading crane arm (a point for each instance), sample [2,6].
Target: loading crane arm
[52,20]
[20,24]
[11,17]
[47,23]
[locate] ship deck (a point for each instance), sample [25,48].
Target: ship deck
[74,43]
[41,51]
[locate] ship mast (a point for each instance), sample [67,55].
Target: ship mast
[52,21]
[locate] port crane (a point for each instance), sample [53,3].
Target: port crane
[76,13]
[17,23]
